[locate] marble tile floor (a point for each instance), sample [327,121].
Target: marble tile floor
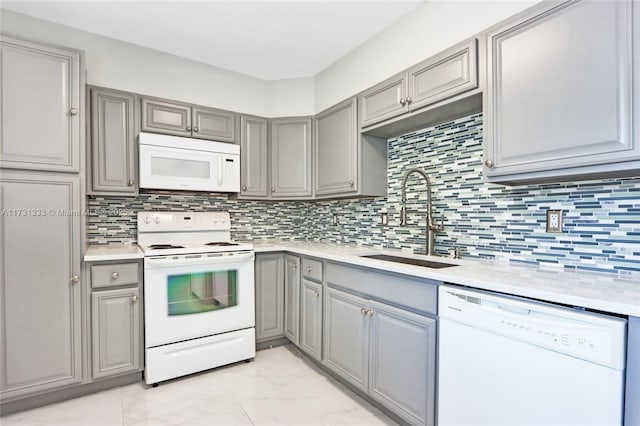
[281,387]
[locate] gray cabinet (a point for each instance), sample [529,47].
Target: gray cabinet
[41,104]
[253,158]
[291,157]
[311,318]
[269,282]
[447,74]
[402,362]
[41,305]
[116,318]
[560,93]
[112,148]
[292,298]
[181,119]
[346,337]
[346,163]
[115,324]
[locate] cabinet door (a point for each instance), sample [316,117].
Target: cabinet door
[115,325]
[214,124]
[172,118]
[402,372]
[114,167]
[269,272]
[40,108]
[384,100]
[40,288]
[291,158]
[253,157]
[442,76]
[311,319]
[292,298]
[346,336]
[336,149]
[559,89]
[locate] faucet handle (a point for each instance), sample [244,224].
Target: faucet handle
[435,227]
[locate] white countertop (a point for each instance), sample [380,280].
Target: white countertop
[112,252]
[594,290]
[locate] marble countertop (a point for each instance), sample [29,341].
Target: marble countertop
[98,253]
[594,290]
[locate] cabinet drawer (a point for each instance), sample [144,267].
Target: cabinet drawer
[114,274]
[312,269]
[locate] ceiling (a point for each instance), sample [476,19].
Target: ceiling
[270,40]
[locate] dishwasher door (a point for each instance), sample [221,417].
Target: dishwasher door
[509,361]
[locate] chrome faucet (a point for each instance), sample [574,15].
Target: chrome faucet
[432,227]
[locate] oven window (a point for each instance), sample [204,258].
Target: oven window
[201,292]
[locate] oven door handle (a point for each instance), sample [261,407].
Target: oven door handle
[204,259]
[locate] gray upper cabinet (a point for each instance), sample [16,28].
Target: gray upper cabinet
[402,362]
[40,298]
[291,157]
[346,163]
[269,281]
[449,73]
[41,106]
[311,318]
[160,116]
[565,110]
[292,298]
[116,331]
[181,119]
[253,158]
[214,124]
[113,130]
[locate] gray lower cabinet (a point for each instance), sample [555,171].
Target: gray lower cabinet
[113,165]
[449,73]
[292,298]
[182,119]
[253,158]
[291,157]
[402,362]
[569,109]
[311,318]
[41,104]
[346,163]
[41,305]
[269,282]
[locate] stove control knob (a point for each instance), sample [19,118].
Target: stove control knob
[157,219]
[147,220]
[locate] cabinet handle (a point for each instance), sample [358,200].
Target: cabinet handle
[273,189]
[488,163]
[131,182]
[73,111]
[369,312]
[195,129]
[294,265]
[188,128]
[351,183]
[363,311]
[134,298]
[316,294]
[409,100]
[244,188]
[75,278]
[403,101]
[115,276]
[308,268]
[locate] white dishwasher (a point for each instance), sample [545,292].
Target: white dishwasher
[511,361]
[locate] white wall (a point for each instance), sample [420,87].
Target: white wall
[125,66]
[429,29]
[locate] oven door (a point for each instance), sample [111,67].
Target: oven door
[192,296]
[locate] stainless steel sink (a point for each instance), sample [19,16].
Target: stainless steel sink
[410,261]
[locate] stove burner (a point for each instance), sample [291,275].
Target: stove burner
[221,244]
[164,246]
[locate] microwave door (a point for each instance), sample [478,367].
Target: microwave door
[166,168]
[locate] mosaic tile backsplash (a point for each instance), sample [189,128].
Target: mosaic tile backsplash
[601,218]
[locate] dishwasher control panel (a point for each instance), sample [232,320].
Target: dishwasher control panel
[586,335]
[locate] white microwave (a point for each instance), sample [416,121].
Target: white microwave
[172,162]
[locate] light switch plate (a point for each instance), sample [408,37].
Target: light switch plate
[554,220]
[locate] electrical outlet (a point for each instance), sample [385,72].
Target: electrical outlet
[335,219]
[384,219]
[554,220]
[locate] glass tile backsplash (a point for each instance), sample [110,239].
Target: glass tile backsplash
[601,229]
